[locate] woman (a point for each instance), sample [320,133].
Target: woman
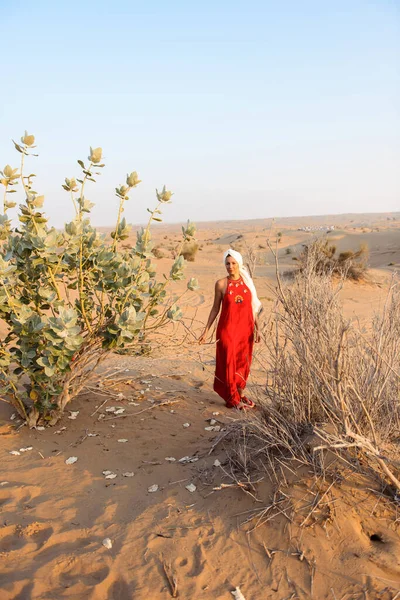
[236,332]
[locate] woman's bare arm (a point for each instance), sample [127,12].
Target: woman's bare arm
[257,335]
[218,297]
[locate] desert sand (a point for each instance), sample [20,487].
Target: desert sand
[56,516]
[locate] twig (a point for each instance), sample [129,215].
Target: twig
[316,505]
[172,580]
[99,407]
[251,558]
[113,373]
[218,440]
[267,552]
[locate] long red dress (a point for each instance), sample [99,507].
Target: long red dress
[235,338]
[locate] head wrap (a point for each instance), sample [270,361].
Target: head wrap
[245,275]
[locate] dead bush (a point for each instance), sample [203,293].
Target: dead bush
[189,251]
[250,258]
[348,264]
[158,252]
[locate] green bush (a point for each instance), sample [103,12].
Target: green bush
[68,298]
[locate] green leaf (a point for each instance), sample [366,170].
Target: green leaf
[18,147]
[38,201]
[193,284]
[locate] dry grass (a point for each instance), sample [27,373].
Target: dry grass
[326,261]
[189,251]
[159,252]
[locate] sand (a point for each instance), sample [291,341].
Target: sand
[55,517]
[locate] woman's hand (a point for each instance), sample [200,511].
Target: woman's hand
[257,337]
[202,338]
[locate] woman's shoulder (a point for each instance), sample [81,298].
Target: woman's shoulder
[220,284]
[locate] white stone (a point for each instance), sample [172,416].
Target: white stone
[237,594]
[73,414]
[188,459]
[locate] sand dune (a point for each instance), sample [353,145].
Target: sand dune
[55,516]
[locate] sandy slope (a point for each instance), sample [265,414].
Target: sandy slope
[55,516]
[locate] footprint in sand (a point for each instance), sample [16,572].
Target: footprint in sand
[11,539]
[199,562]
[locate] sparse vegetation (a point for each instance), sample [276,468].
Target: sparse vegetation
[189,250]
[348,265]
[250,258]
[68,298]
[332,388]
[158,252]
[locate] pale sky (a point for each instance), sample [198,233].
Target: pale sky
[243,109]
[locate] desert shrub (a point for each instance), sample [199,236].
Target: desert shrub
[349,264]
[250,258]
[189,250]
[289,250]
[158,252]
[68,298]
[330,381]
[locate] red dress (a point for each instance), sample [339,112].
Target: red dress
[235,337]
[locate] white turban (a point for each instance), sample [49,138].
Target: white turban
[255,302]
